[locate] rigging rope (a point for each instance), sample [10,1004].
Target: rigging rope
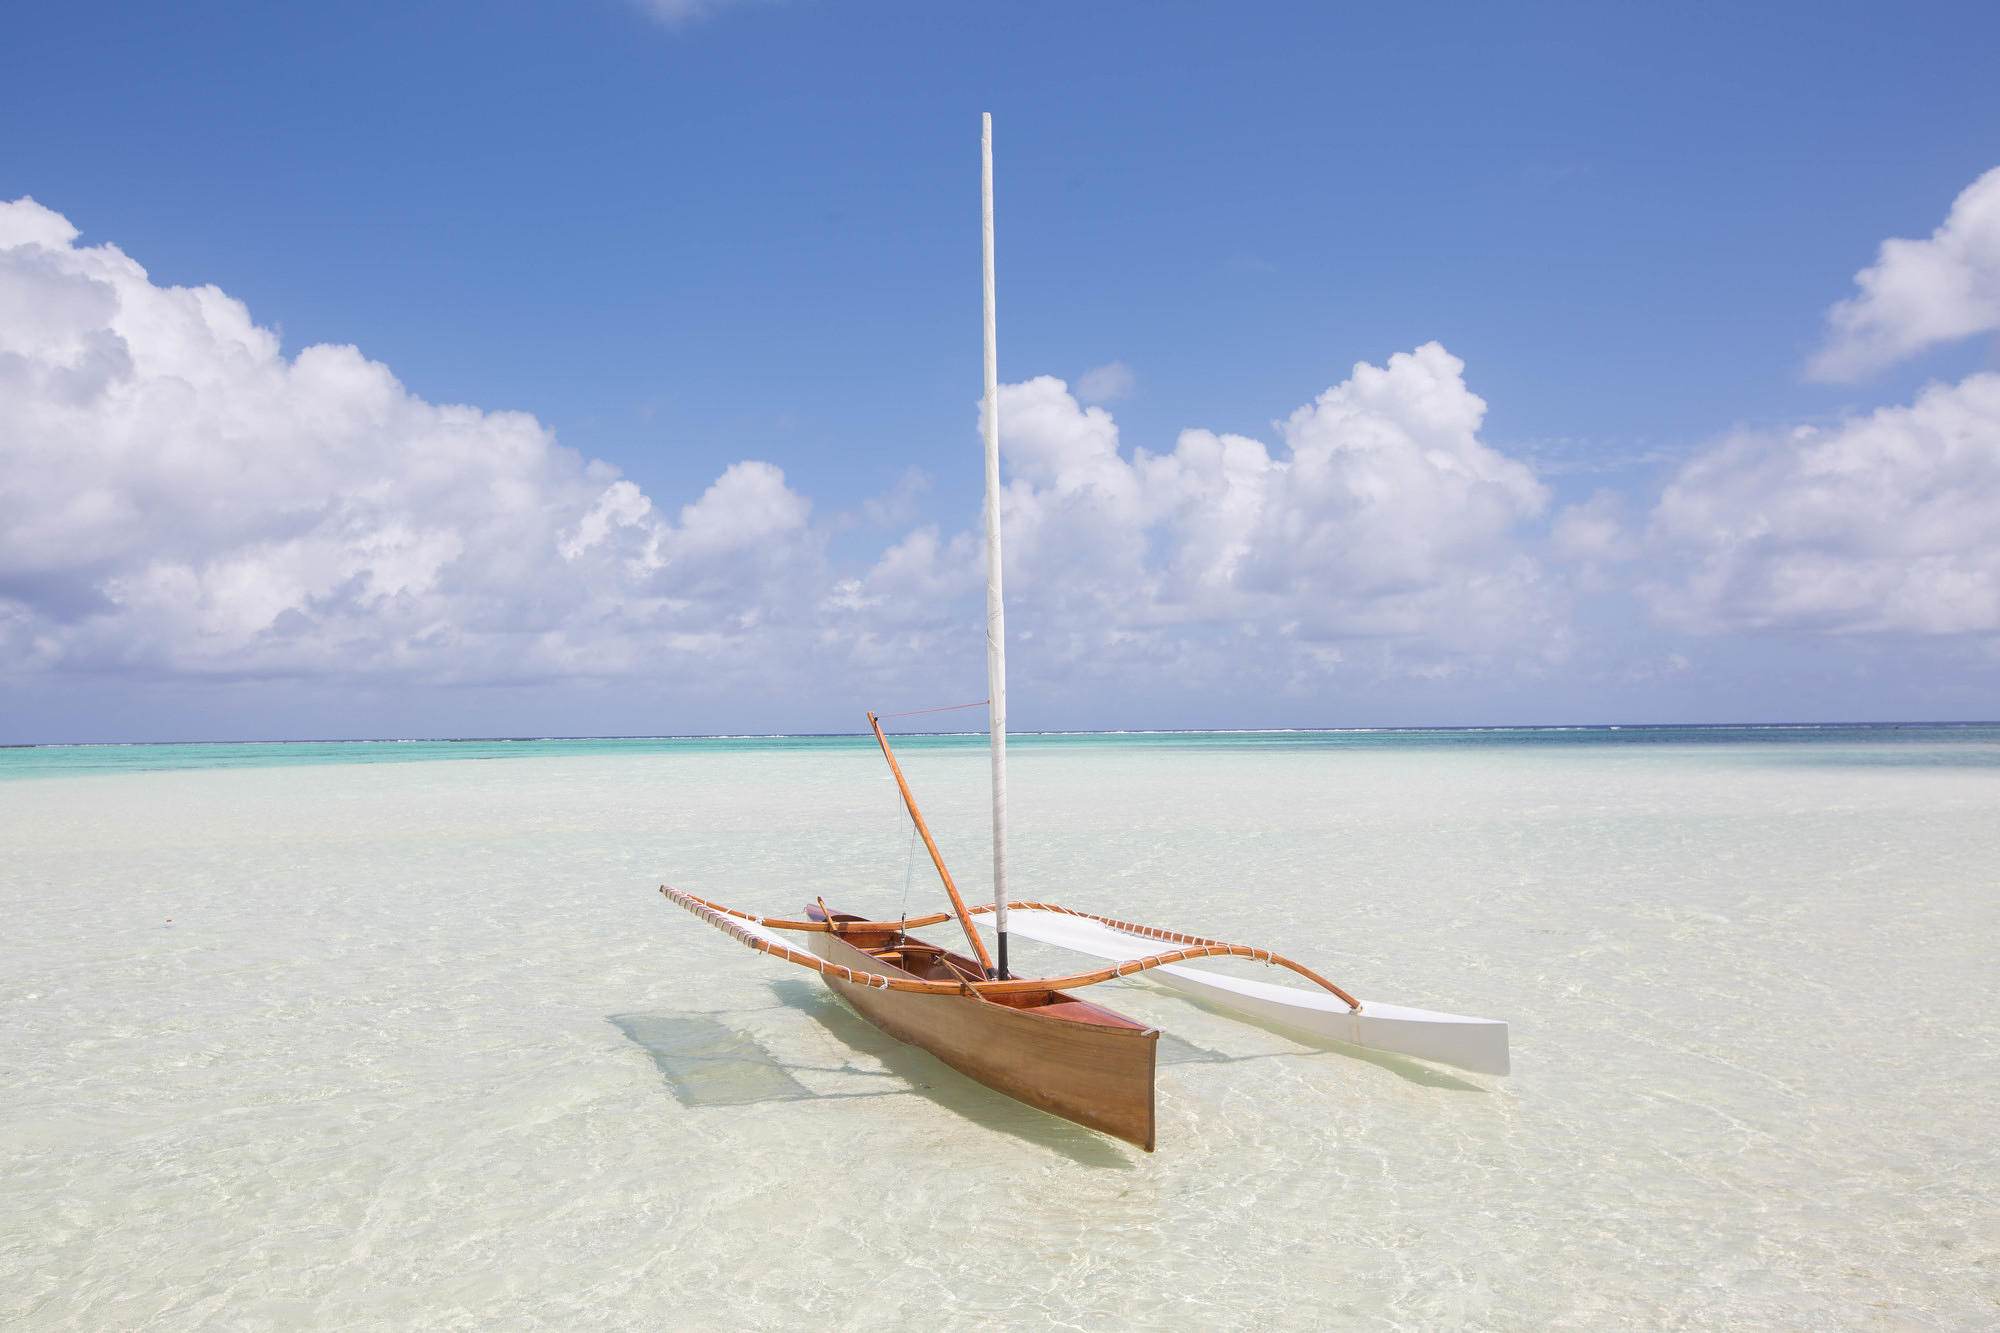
[909,868]
[916,712]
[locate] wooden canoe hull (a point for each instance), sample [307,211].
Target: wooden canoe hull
[1091,1073]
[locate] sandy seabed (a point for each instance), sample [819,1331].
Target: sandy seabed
[417,1045]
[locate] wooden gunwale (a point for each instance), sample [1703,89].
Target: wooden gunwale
[1196,946]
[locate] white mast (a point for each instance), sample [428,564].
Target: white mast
[996,616]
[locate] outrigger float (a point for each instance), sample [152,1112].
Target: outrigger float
[1030,1038]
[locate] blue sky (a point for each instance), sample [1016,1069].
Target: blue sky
[687,239]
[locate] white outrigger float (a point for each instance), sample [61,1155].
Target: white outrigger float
[1478,1045]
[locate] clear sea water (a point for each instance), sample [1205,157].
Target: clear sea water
[400,1035]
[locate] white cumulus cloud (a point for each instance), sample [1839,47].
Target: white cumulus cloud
[1887,522]
[178,496]
[1382,521]
[1921,293]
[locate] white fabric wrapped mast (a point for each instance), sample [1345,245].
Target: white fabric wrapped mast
[996,615]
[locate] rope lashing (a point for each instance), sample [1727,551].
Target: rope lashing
[1176,937]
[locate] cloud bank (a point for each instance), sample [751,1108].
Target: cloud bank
[182,501]
[1888,523]
[181,498]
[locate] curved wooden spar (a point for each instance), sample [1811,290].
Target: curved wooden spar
[737,925]
[937,859]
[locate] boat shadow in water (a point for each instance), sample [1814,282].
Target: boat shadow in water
[708,1063]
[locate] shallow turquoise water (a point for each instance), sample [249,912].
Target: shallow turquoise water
[1901,742]
[416,1044]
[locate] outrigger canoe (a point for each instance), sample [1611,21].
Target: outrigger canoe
[1031,1038]
[1036,1042]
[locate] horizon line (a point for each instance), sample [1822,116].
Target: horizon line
[1109,731]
